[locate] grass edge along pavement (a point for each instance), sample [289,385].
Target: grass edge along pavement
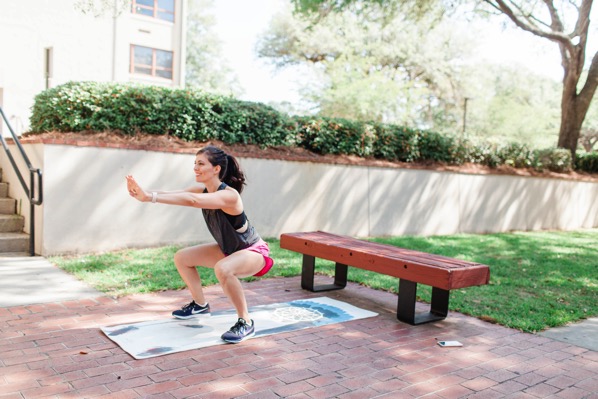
[538,280]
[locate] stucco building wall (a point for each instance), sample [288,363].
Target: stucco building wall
[83,47]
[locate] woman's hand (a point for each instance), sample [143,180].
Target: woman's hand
[136,191]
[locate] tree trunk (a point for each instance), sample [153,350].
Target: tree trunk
[574,106]
[570,125]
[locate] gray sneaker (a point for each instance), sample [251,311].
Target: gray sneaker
[239,332]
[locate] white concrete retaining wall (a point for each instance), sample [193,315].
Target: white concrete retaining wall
[87,208]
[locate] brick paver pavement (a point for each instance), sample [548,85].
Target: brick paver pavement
[57,350]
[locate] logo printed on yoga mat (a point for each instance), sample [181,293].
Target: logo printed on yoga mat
[293,314]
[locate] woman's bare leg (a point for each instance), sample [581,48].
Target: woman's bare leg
[187,260]
[230,269]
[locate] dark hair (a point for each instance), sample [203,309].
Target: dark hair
[230,171]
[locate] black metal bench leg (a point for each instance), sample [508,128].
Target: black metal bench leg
[407,299]
[440,302]
[308,272]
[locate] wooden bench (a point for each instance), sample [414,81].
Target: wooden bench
[411,267]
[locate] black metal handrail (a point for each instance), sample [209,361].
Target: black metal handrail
[30,191]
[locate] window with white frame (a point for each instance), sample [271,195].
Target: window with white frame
[160,9]
[151,61]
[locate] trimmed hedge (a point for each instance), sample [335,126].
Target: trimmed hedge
[195,115]
[395,143]
[189,114]
[334,136]
[588,162]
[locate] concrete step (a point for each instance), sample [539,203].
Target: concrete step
[8,206]
[11,223]
[14,242]
[3,190]
[13,255]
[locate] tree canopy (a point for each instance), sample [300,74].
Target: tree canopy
[419,72]
[566,23]
[362,65]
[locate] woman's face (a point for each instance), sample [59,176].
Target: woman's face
[203,169]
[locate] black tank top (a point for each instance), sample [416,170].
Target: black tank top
[232,232]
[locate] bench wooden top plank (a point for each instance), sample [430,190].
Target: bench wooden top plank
[407,254]
[434,270]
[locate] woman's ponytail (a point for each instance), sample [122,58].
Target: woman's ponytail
[234,176]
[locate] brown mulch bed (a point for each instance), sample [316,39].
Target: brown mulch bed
[171,143]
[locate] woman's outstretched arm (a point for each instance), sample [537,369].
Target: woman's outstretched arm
[227,200]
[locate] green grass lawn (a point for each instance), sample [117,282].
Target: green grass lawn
[537,279]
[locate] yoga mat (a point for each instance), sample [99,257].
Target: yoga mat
[160,337]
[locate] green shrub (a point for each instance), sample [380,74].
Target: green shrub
[435,147]
[553,159]
[400,143]
[334,136]
[461,152]
[130,109]
[515,155]
[80,106]
[472,151]
[395,143]
[254,123]
[60,109]
[587,162]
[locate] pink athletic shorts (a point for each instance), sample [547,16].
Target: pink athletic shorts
[261,247]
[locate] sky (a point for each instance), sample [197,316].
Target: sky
[239,22]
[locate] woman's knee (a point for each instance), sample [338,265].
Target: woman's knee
[184,258]
[223,270]
[178,258]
